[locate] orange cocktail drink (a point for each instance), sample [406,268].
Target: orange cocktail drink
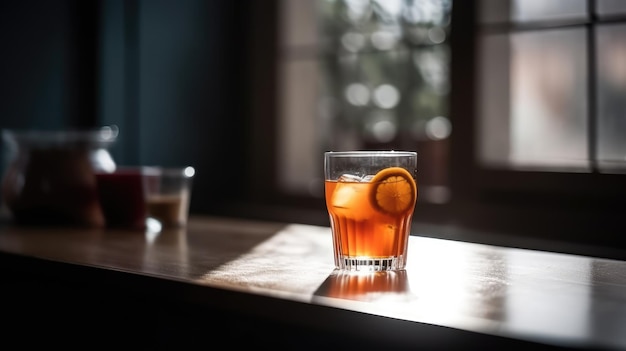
[370,197]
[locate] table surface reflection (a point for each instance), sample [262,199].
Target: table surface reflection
[546,297]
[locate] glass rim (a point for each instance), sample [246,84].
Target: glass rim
[149,170]
[366,153]
[184,172]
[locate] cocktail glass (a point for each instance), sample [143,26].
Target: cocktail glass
[370,197]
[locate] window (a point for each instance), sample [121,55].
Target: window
[548,131]
[547,80]
[552,68]
[531,135]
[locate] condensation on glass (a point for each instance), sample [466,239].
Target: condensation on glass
[367,74]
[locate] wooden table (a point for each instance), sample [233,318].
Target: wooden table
[273,284]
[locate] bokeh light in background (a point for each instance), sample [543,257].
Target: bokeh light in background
[381,81]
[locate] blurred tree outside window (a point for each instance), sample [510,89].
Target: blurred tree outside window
[363,74]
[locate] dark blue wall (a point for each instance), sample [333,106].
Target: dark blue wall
[35,77]
[168,73]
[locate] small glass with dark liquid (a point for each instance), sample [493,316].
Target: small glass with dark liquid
[122,195]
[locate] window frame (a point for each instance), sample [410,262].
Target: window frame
[587,184]
[574,207]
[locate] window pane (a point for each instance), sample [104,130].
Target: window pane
[502,11]
[371,88]
[548,99]
[611,67]
[299,156]
[427,119]
[544,124]
[542,10]
[605,8]
[494,101]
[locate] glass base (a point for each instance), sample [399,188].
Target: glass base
[369,264]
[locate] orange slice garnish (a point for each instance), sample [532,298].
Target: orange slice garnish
[394,191]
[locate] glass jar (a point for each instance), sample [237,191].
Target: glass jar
[50,175]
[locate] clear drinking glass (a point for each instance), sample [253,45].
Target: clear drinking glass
[370,197]
[169,195]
